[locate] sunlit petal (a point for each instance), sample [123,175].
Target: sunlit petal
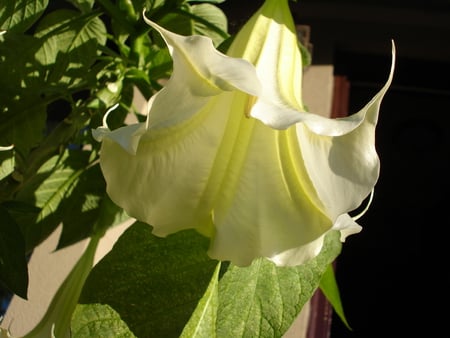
[347,226]
[266,207]
[170,181]
[344,169]
[199,71]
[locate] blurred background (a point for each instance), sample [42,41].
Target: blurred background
[393,276]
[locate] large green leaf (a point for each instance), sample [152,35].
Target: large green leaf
[13,264]
[98,320]
[263,300]
[153,283]
[203,320]
[19,15]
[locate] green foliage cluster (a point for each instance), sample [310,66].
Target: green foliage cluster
[62,65]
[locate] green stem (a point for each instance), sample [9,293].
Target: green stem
[118,15]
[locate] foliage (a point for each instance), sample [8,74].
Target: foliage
[62,65]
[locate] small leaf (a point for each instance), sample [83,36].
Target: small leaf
[6,166]
[330,289]
[176,23]
[153,283]
[23,124]
[83,5]
[210,1]
[203,320]
[215,22]
[98,320]
[13,263]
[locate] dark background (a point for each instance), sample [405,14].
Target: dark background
[393,276]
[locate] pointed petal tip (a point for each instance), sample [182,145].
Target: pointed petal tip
[347,226]
[6,148]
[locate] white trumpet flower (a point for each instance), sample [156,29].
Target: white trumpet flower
[229,149]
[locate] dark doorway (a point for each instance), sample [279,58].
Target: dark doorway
[393,276]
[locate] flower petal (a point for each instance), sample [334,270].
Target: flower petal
[344,169]
[128,137]
[265,208]
[270,42]
[199,71]
[304,253]
[347,226]
[344,223]
[172,179]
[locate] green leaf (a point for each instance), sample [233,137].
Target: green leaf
[47,190]
[98,320]
[22,103]
[22,113]
[214,22]
[109,215]
[153,283]
[263,300]
[63,191]
[210,1]
[203,320]
[23,125]
[178,22]
[83,5]
[330,289]
[19,15]
[13,263]
[6,165]
[70,44]
[80,208]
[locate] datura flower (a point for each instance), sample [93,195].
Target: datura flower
[229,149]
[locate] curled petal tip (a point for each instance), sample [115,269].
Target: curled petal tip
[105,117]
[7,148]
